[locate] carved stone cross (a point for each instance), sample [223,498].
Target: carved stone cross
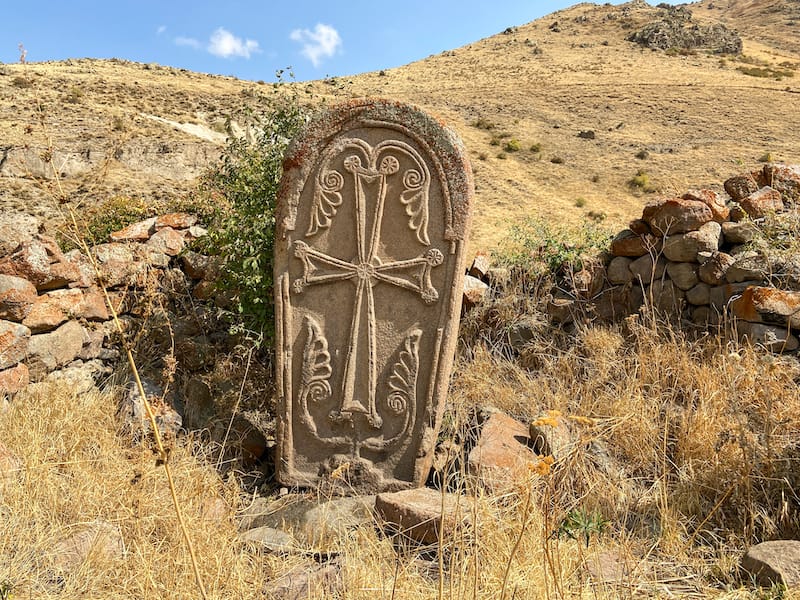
[368,269]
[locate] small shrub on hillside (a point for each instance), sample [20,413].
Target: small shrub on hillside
[243,187]
[512,145]
[484,124]
[110,216]
[766,157]
[74,95]
[641,182]
[21,82]
[766,72]
[557,160]
[502,156]
[580,202]
[537,147]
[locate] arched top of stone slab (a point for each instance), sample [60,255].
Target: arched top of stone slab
[440,144]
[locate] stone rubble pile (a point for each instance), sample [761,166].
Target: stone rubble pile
[696,256]
[55,323]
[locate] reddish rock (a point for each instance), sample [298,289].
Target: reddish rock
[631,244]
[475,292]
[713,270]
[741,186]
[14,379]
[774,563]
[53,308]
[14,339]
[17,296]
[175,221]
[639,227]
[768,305]
[42,263]
[785,179]
[677,215]
[195,265]
[417,513]
[711,199]
[136,232]
[168,241]
[501,456]
[763,202]
[719,295]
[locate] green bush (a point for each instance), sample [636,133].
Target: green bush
[512,145]
[243,187]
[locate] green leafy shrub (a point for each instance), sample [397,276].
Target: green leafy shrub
[641,182]
[243,188]
[512,145]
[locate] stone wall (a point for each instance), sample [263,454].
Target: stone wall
[54,320]
[707,259]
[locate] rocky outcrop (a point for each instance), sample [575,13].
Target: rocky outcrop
[676,31]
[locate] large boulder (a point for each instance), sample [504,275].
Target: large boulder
[768,305]
[50,351]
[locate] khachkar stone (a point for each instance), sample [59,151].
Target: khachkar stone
[373,212]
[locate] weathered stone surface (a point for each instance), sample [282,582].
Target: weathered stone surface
[14,379]
[748,266]
[14,340]
[268,538]
[561,310]
[99,540]
[741,186]
[475,291]
[714,270]
[16,228]
[699,295]
[42,263]
[774,563]
[113,252]
[676,215]
[631,244]
[167,240]
[762,202]
[645,270]
[683,275]
[768,305]
[501,456]
[618,271]
[53,308]
[610,566]
[417,514]
[480,266]
[317,524]
[739,233]
[551,435]
[151,254]
[79,378]
[712,200]
[175,221]
[195,265]
[136,232]
[785,179]
[310,581]
[372,220]
[719,295]
[49,351]
[133,416]
[17,296]
[774,339]
[665,296]
[639,226]
[685,247]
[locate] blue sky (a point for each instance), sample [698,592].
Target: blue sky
[251,39]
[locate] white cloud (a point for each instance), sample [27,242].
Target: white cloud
[226,45]
[161,29]
[322,42]
[187,41]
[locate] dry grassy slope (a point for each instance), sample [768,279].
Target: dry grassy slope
[700,120]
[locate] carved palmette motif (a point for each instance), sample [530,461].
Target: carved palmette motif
[370,245]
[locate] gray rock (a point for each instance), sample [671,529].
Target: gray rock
[133,416]
[739,233]
[683,275]
[774,563]
[714,270]
[16,228]
[665,296]
[774,339]
[618,270]
[685,247]
[719,295]
[645,270]
[748,266]
[268,538]
[309,581]
[699,295]
[50,351]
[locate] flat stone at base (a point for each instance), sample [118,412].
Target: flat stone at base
[775,562]
[501,457]
[417,514]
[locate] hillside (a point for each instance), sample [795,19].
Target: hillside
[686,119]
